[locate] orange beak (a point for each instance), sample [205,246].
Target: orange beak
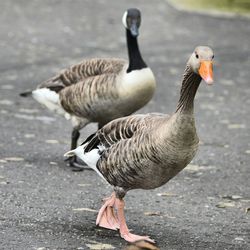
[206,71]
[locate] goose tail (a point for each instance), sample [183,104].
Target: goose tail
[69,153]
[26,93]
[90,158]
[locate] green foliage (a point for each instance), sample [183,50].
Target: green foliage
[237,6]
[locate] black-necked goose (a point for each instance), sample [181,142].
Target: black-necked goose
[146,151]
[100,90]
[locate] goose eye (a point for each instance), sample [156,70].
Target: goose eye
[213,57]
[197,56]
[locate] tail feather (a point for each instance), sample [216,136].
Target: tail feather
[26,93]
[69,153]
[90,158]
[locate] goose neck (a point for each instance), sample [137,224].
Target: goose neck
[135,59]
[190,84]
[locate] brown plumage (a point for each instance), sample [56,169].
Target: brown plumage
[93,96]
[100,90]
[146,151]
[83,70]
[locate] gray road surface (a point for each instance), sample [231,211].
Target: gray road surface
[43,203]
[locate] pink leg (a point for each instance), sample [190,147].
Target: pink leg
[124,231]
[106,216]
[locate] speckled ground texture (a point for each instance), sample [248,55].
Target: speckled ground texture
[44,205]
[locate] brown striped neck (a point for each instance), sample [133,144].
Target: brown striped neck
[190,84]
[134,55]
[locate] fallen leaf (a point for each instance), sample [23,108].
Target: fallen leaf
[53,163]
[211,198]
[52,141]
[169,216]
[225,204]
[245,200]
[84,185]
[45,119]
[235,126]
[192,167]
[28,165]
[152,213]
[195,168]
[29,135]
[167,194]
[14,159]
[85,209]
[29,111]
[142,244]
[239,239]
[100,246]
[26,117]
[232,197]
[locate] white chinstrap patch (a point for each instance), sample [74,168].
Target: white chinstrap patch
[124,19]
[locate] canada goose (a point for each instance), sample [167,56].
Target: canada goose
[146,151]
[100,90]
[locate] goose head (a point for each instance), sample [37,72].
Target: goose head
[132,21]
[201,62]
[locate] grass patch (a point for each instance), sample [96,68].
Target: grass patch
[235,6]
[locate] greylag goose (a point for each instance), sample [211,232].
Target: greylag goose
[146,151]
[100,90]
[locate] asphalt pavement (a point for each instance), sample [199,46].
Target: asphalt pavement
[45,205]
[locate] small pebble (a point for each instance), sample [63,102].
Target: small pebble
[29,135]
[53,163]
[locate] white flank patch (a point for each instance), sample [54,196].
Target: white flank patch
[124,19]
[48,98]
[89,158]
